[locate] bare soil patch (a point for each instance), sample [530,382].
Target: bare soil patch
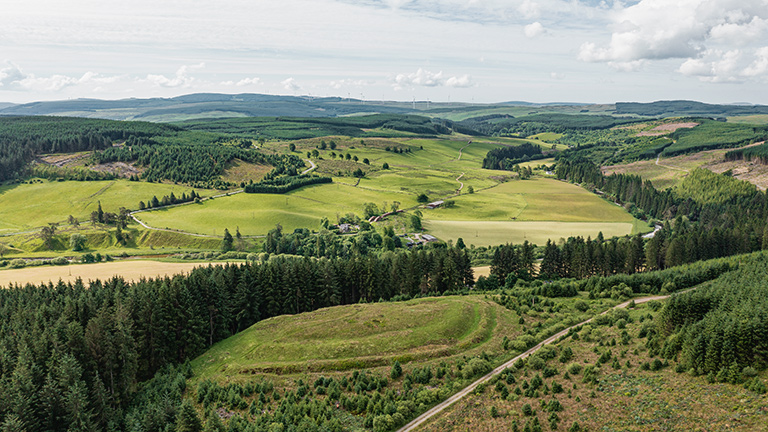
[667,128]
[121,169]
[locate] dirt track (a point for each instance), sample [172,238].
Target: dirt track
[418,421]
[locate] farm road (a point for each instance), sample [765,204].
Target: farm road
[310,168]
[418,421]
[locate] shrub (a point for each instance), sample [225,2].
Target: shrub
[574,368]
[18,263]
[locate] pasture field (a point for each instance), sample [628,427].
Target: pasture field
[489,233]
[432,168]
[256,214]
[441,168]
[130,270]
[758,119]
[29,206]
[537,199]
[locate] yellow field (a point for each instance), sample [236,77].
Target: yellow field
[488,233]
[130,270]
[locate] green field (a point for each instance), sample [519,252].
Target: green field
[537,199]
[29,206]
[256,214]
[489,233]
[432,168]
[359,336]
[441,168]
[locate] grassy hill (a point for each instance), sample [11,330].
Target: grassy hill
[338,362]
[359,337]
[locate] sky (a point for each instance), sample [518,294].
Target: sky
[590,51]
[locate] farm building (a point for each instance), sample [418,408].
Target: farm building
[429,238]
[435,204]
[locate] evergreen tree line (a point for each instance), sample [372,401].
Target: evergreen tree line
[21,138]
[731,225]
[167,200]
[757,153]
[720,329]
[198,165]
[605,268]
[504,158]
[281,185]
[71,355]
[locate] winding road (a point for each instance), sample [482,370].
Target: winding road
[418,421]
[310,168]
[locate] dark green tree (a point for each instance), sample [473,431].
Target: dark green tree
[227,242]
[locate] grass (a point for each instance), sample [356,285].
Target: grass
[432,167]
[358,337]
[436,167]
[29,206]
[758,119]
[256,214]
[537,199]
[488,233]
[624,398]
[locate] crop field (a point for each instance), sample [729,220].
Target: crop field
[130,270]
[29,206]
[359,336]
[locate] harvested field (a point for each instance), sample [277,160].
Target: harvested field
[131,270]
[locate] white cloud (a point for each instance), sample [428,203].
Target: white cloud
[425,78]
[243,82]
[529,9]
[557,76]
[717,66]
[760,65]
[290,84]
[534,29]
[702,33]
[463,81]
[339,84]
[180,79]
[11,76]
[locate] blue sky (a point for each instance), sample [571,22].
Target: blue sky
[448,50]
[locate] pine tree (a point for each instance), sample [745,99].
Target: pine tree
[227,242]
[187,419]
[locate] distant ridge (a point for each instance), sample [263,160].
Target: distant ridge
[687,108]
[217,105]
